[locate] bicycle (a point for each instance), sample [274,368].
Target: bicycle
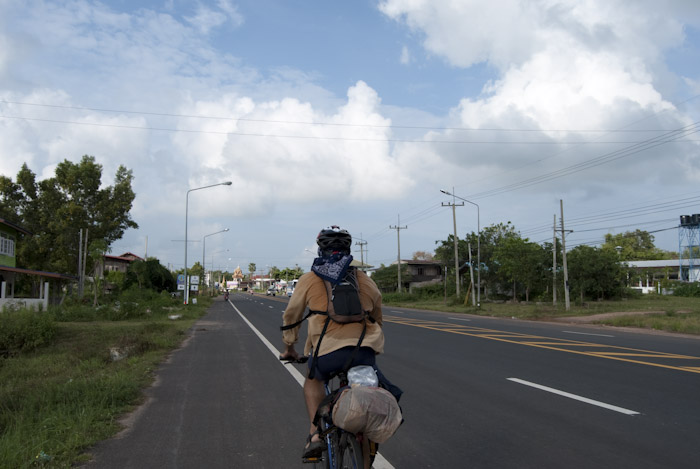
[344,450]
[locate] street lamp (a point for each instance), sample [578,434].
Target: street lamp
[204,245]
[478,246]
[187,203]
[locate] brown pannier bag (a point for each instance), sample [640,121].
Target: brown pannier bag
[371,411]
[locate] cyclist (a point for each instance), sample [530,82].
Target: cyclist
[339,341]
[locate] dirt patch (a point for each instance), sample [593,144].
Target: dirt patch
[603,316]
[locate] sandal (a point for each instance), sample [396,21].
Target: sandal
[313,449]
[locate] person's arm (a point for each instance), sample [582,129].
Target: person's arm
[375,295]
[293,313]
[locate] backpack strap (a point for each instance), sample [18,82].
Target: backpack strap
[312,371]
[292,326]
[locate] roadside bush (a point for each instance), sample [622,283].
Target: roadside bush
[687,289]
[75,312]
[631,293]
[25,330]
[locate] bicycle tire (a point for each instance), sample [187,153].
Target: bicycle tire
[349,452]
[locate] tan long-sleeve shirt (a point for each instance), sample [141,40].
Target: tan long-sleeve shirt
[311,292]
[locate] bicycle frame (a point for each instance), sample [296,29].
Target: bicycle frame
[338,441]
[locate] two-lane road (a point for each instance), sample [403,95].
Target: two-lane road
[479,392]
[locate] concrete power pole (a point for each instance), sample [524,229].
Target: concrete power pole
[362,244]
[554,263]
[563,248]
[398,229]
[454,223]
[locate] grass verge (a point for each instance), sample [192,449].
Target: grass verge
[59,399]
[676,314]
[686,323]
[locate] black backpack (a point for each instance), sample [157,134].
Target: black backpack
[344,304]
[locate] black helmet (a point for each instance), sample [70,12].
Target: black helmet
[334,239]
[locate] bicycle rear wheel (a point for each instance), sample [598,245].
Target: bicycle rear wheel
[350,452]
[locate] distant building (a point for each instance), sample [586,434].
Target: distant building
[651,272]
[423,273]
[117,263]
[10,272]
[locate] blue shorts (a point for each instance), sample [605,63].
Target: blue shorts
[335,361]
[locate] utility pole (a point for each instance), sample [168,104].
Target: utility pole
[362,244]
[454,223]
[398,229]
[80,265]
[563,248]
[554,263]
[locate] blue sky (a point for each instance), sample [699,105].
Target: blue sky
[358,113]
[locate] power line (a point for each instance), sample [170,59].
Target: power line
[331,124]
[317,137]
[598,161]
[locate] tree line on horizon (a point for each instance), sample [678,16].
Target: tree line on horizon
[55,209]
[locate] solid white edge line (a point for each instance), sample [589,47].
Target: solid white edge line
[379,461]
[459,319]
[293,371]
[574,396]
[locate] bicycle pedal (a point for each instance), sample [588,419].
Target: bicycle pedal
[311,460]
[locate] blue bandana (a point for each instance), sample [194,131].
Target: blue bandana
[332,268]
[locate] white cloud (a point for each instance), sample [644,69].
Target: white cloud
[564,66]
[405,58]
[206,19]
[311,155]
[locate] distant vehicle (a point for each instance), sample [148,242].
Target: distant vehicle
[271,291]
[290,287]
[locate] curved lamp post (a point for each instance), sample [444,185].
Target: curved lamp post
[187,202]
[478,246]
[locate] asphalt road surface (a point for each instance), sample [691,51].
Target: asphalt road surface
[479,392]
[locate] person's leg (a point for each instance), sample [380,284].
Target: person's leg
[313,395]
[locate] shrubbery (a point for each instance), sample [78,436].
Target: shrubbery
[687,289]
[132,303]
[25,330]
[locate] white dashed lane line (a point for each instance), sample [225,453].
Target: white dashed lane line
[575,397]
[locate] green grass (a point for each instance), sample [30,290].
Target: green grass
[59,399]
[686,323]
[669,319]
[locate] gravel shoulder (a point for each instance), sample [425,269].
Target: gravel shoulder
[603,316]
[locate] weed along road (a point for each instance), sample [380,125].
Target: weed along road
[479,392]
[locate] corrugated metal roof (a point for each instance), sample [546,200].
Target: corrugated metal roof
[39,273]
[657,264]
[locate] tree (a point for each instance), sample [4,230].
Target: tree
[422,256]
[387,278]
[290,274]
[97,251]
[252,268]
[520,262]
[57,208]
[594,271]
[635,245]
[150,274]
[197,270]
